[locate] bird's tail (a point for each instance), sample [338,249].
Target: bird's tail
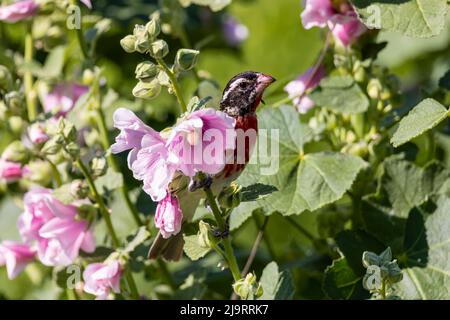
[170,249]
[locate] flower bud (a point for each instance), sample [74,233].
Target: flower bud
[53,146]
[5,78]
[73,149]
[204,235]
[146,71]
[147,90]
[16,152]
[159,49]
[248,288]
[186,59]
[40,172]
[14,101]
[79,189]
[129,43]
[230,197]
[16,124]
[140,32]
[153,28]
[142,45]
[89,77]
[37,134]
[374,88]
[98,166]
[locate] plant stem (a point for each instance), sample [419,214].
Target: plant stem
[80,38]
[112,162]
[175,86]
[255,247]
[109,225]
[55,171]
[30,95]
[166,274]
[229,254]
[383,290]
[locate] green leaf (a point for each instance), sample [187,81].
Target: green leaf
[193,288]
[340,94]
[427,255]
[305,182]
[341,282]
[256,191]
[54,63]
[414,18]
[425,116]
[141,235]
[276,285]
[110,181]
[193,249]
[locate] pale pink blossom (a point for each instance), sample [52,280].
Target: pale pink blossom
[37,134]
[102,278]
[15,256]
[11,171]
[18,11]
[87,3]
[346,28]
[61,100]
[297,88]
[192,139]
[317,13]
[168,216]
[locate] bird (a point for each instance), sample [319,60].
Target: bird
[240,99]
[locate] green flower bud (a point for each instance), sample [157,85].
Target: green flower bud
[374,88]
[53,146]
[146,71]
[5,78]
[16,152]
[230,197]
[98,166]
[140,32]
[79,189]
[386,255]
[153,28]
[16,124]
[129,43]
[67,130]
[186,59]
[147,90]
[248,287]
[40,172]
[14,101]
[370,259]
[88,77]
[73,149]
[142,45]
[204,235]
[159,49]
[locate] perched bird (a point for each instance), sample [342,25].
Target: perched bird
[240,98]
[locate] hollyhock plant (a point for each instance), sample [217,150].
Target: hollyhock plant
[346,28]
[37,134]
[63,98]
[168,216]
[317,13]
[18,11]
[15,256]
[11,171]
[102,278]
[296,89]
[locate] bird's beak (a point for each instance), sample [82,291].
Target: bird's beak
[264,80]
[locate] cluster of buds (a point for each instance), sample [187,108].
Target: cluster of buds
[381,272]
[230,197]
[152,76]
[248,288]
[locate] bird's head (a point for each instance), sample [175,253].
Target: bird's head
[243,93]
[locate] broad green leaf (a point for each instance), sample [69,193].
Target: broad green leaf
[276,285]
[193,249]
[305,181]
[427,255]
[414,18]
[341,282]
[110,181]
[340,94]
[256,191]
[425,116]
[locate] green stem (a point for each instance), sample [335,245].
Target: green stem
[80,38]
[229,254]
[132,285]
[175,85]
[55,171]
[30,95]
[112,162]
[166,274]
[383,290]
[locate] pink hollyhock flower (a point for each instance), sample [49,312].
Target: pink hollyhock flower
[63,98]
[346,28]
[202,131]
[102,278]
[19,10]
[63,239]
[11,171]
[132,130]
[37,134]
[317,13]
[87,3]
[168,216]
[296,89]
[15,256]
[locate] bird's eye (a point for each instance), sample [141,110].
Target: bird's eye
[243,84]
